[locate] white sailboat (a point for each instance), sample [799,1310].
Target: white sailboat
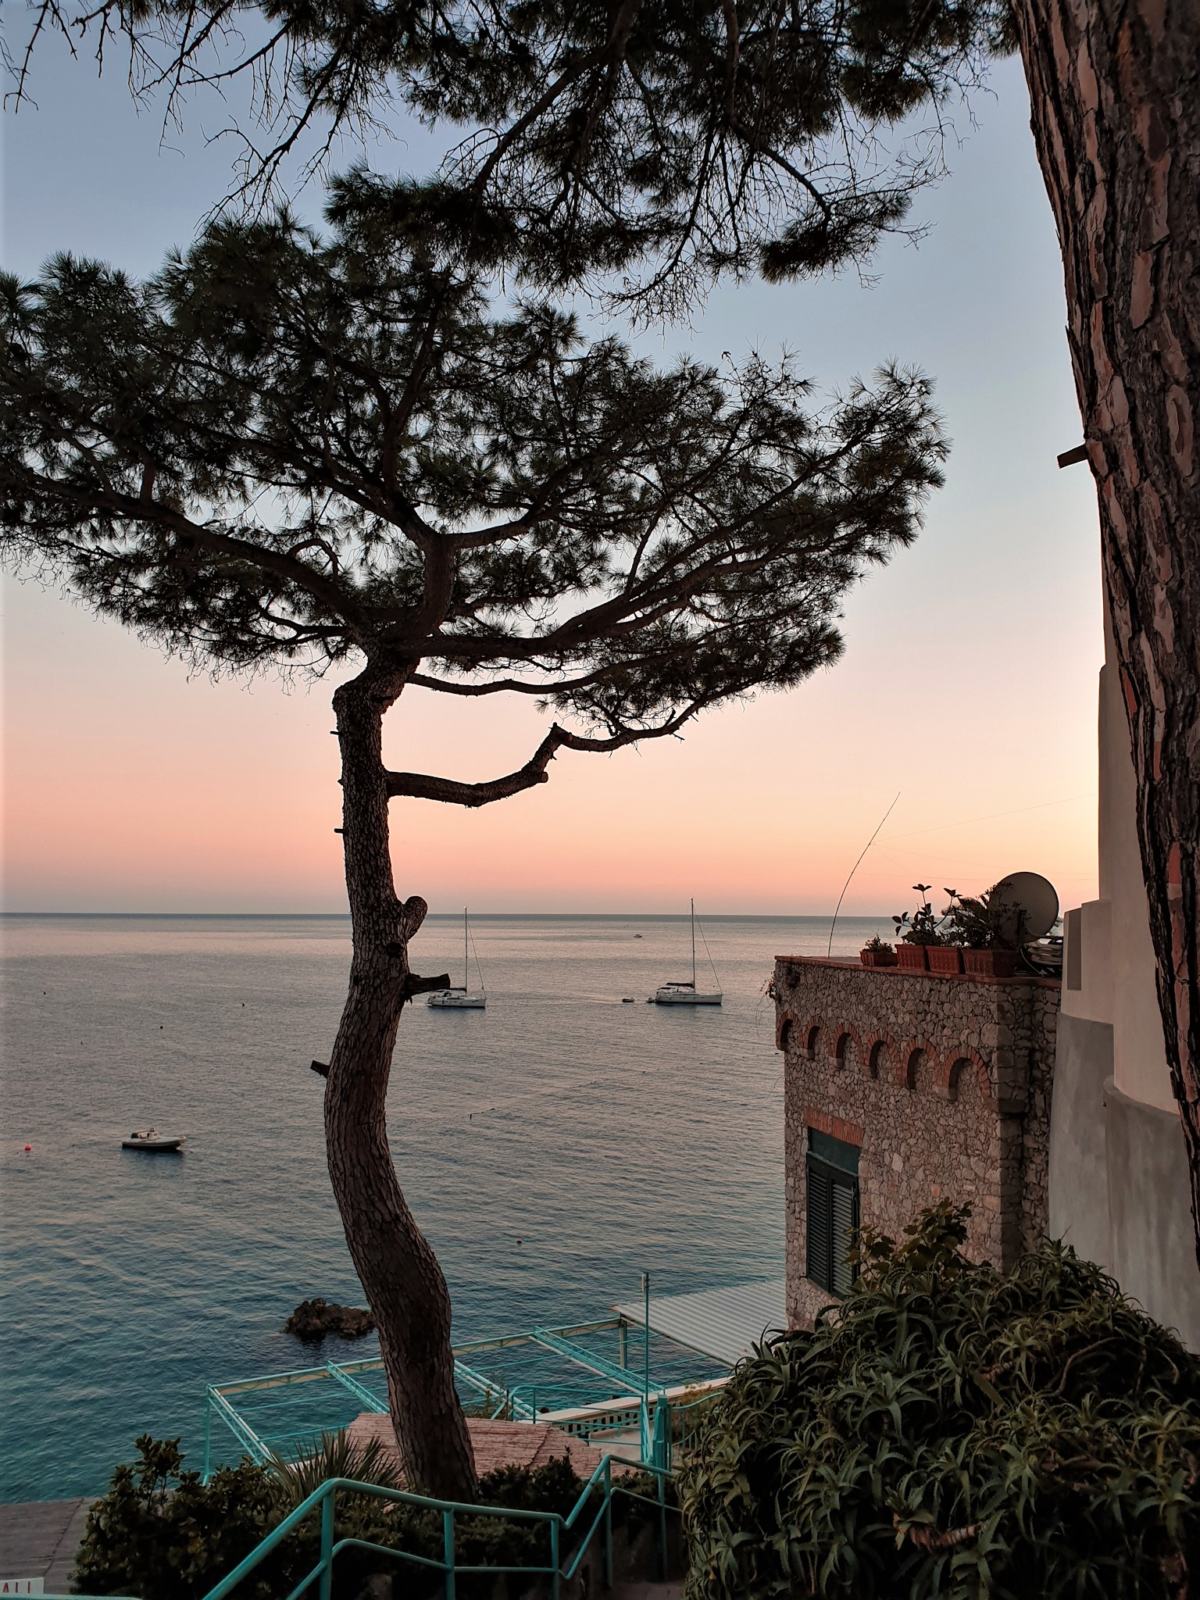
[464,998]
[686,994]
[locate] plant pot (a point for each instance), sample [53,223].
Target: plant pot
[911,956]
[877,958]
[945,958]
[990,963]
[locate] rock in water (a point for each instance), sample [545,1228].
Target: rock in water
[314,1320]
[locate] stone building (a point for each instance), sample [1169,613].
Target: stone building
[901,1088]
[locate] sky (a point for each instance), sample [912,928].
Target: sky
[968,685]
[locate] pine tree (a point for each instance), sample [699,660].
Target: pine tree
[675,140]
[639,148]
[331,453]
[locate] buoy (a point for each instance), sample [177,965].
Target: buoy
[28,1148]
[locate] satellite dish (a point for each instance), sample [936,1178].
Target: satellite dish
[1031,894]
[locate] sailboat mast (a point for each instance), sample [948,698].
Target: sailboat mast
[466,957]
[693,906]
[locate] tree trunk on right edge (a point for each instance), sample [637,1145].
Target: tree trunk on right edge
[1115,92]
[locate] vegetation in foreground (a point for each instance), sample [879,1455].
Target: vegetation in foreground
[161,1534]
[954,1432]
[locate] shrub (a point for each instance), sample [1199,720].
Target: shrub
[922,926]
[161,1534]
[950,1431]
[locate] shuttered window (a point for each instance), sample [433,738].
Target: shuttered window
[832,1210]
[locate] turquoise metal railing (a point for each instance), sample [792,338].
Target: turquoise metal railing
[657,1426]
[682,1426]
[558,1529]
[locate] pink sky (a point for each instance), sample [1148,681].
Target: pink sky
[968,682]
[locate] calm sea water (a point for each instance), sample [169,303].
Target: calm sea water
[553,1147]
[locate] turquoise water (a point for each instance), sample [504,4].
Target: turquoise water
[553,1147]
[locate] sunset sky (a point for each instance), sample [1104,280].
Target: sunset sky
[968,683]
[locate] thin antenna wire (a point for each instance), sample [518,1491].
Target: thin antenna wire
[854,869]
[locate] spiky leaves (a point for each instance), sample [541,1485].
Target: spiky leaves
[948,1430]
[285,448]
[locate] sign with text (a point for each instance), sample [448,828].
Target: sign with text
[22,1586]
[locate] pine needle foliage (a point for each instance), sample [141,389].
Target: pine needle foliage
[658,142]
[949,1431]
[288,449]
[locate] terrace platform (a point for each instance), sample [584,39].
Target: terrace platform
[39,1539]
[600,1381]
[495,1444]
[722,1324]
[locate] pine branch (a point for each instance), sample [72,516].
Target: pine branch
[427,786]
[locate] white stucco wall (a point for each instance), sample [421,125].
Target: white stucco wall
[1108,969]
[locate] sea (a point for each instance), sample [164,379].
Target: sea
[554,1147]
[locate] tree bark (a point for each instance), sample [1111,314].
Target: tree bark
[1115,91]
[399,1272]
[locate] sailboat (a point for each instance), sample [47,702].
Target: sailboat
[464,998]
[686,994]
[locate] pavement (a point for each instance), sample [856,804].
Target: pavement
[39,1538]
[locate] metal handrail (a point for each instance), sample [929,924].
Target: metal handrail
[557,1525]
[324,1499]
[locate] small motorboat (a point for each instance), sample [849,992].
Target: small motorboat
[151,1139]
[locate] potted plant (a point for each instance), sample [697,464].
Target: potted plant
[877,952]
[919,934]
[990,932]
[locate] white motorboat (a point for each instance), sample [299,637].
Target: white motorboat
[685,993]
[462,998]
[150,1139]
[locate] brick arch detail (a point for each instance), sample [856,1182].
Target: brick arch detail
[810,1037]
[950,1070]
[905,1068]
[787,1029]
[872,1054]
[842,1035]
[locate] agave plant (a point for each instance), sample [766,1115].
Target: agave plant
[334,1455]
[954,1432]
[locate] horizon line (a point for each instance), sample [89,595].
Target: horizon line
[344,916]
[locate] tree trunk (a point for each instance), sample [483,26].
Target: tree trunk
[398,1271]
[1115,91]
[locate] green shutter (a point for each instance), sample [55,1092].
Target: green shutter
[831,1223]
[844,1226]
[819,1223]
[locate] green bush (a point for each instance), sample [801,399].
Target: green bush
[160,1534]
[949,1431]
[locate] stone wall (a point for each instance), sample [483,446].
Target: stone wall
[944,1083]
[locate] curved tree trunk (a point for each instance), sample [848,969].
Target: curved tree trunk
[398,1271]
[1115,91]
